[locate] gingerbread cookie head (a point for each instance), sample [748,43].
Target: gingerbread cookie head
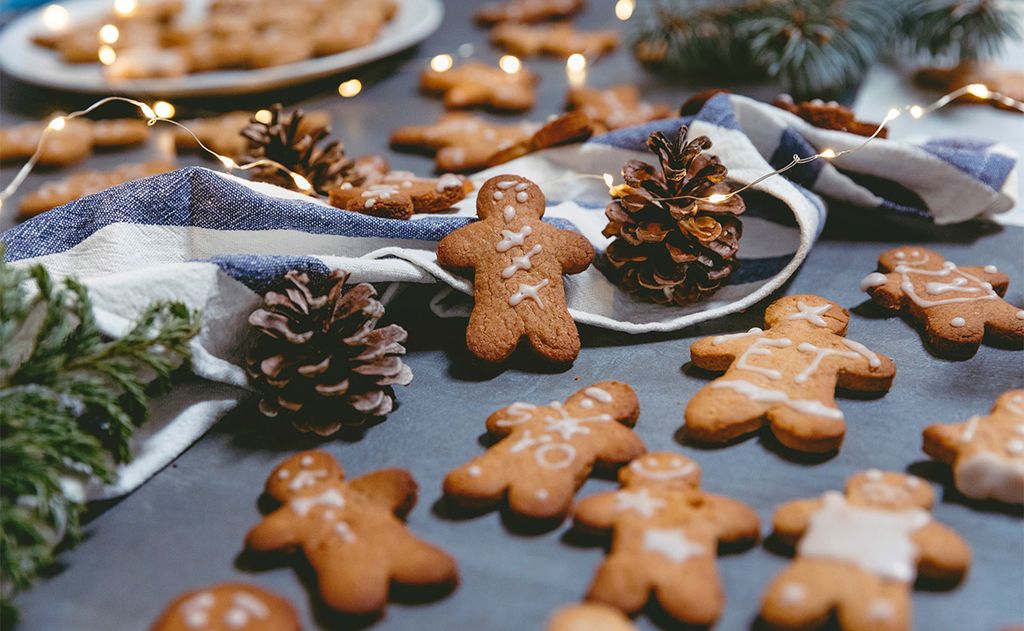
[663,469]
[911,256]
[888,490]
[235,606]
[813,312]
[304,473]
[501,193]
[589,617]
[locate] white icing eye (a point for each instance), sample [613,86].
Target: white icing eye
[283,474]
[542,495]
[900,255]
[873,474]
[677,462]
[306,461]
[474,470]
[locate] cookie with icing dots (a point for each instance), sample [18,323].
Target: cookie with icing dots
[956,308]
[615,107]
[545,452]
[986,452]
[474,84]
[665,535]
[557,40]
[517,262]
[589,617]
[859,553]
[350,531]
[785,376]
[399,194]
[528,11]
[235,606]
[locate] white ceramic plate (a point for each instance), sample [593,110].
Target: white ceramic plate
[414,22]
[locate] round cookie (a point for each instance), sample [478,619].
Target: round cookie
[235,606]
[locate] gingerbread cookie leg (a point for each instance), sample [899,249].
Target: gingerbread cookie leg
[695,596]
[808,432]
[352,584]
[557,339]
[493,334]
[617,583]
[798,598]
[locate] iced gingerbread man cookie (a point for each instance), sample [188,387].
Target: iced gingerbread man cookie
[462,142]
[666,537]
[545,452]
[956,307]
[399,194]
[474,84]
[986,452]
[235,606]
[517,262]
[589,617]
[858,554]
[785,376]
[350,531]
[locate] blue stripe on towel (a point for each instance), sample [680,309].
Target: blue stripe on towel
[261,272]
[971,157]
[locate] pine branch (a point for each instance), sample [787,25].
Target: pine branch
[953,31]
[69,401]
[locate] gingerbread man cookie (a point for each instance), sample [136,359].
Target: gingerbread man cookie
[858,554]
[615,107]
[399,194]
[558,40]
[545,452]
[986,452]
[350,531]
[785,376]
[831,115]
[589,617]
[474,84]
[68,189]
[956,307]
[666,537]
[74,142]
[517,262]
[528,11]
[234,606]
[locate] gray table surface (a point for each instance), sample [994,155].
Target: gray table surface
[184,528]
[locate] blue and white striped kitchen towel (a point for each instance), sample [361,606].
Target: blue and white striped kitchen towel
[216,242]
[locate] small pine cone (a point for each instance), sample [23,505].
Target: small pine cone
[319,359]
[668,248]
[293,140]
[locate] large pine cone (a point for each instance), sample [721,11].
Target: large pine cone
[667,247]
[319,358]
[291,139]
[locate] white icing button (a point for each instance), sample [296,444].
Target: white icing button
[283,474]
[1019,429]
[521,196]
[991,269]
[1020,315]
[901,255]
[957,322]
[793,593]
[1015,446]
[306,461]
[542,495]
[498,195]
[474,471]
[873,474]
[881,610]
[913,482]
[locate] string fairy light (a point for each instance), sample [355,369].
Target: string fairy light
[159,112]
[976,90]
[624,9]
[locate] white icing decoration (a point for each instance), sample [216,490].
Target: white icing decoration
[505,184]
[985,474]
[528,291]
[306,477]
[881,610]
[446,181]
[511,239]
[809,313]
[597,393]
[957,322]
[329,497]
[518,413]
[758,348]
[563,453]
[568,426]
[793,594]
[474,471]
[991,269]
[522,197]
[857,347]
[959,284]
[768,395]
[509,213]
[306,460]
[284,474]
[639,501]
[378,192]
[873,474]
[874,279]
[521,262]
[522,186]
[970,429]
[1020,314]
[722,339]
[587,403]
[243,607]
[1015,446]
[498,196]
[542,494]
[876,540]
[345,531]
[679,470]
[671,543]
[819,355]
[882,491]
[195,609]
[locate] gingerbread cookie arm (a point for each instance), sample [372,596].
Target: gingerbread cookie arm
[575,252]
[999,281]
[505,420]
[940,440]
[415,562]
[734,521]
[456,250]
[792,518]
[718,352]
[867,372]
[392,489]
[1005,325]
[277,531]
[944,555]
[884,289]
[596,514]
[621,446]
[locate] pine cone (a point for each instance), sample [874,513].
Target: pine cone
[668,248]
[320,360]
[291,139]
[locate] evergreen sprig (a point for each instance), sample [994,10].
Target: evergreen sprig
[69,401]
[816,47]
